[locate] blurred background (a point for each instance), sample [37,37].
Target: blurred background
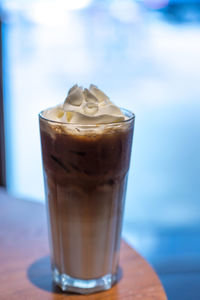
[146,56]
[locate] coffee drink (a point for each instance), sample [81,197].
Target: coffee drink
[85,169]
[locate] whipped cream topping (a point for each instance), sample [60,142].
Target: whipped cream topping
[85,106]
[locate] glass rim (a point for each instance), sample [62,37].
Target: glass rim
[131,118]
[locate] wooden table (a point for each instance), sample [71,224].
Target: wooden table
[25,268]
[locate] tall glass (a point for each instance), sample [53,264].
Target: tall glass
[85,175]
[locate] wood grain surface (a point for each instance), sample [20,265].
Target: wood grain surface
[25,268]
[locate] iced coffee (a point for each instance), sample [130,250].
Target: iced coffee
[86,148]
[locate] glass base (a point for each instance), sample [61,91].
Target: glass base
[81,286]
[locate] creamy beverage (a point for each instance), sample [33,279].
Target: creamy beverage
[86,147]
